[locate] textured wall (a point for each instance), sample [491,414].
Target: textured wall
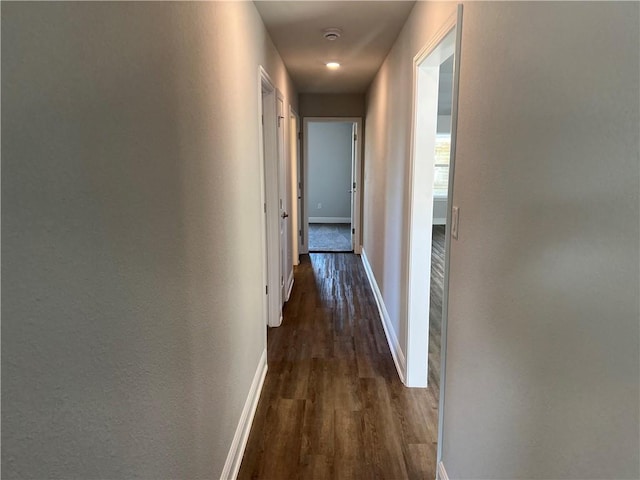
[543,361]
[542,351]
[332,105]
[132,319]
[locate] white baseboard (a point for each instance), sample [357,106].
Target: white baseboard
[329,219]
[239,443]
[441,473]
[439,221]
[392,339]
[290,286]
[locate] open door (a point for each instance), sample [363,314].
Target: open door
[285,266]
[438,61]
[354,149]
[295,193]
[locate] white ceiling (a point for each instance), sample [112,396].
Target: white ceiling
[369,30]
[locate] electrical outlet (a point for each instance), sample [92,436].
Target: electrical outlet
[319,206]
[455,216]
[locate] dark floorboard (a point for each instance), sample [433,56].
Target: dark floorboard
[332,405]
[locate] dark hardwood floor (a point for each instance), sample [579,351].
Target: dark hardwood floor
[435,303]
[332,405]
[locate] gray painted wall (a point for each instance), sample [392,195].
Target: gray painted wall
[543,363]
[444,124]
[132,320]
[332,105]
[543,360]
[329,155]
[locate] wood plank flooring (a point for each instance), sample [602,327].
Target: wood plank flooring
[435,303]
[332,405]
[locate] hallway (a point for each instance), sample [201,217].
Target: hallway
[332,405]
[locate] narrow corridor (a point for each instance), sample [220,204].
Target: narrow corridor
[332,405]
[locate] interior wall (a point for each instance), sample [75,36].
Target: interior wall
[542,354]
[444,124]
[332,105]
[539,329]
[132,314]
[330,146]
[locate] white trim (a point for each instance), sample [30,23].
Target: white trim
[444,30]
[392,339]
[263,80]
[296,190]
[289,285]
[441,473]
[284,219]
[439,220]
[239,443]
[329,220]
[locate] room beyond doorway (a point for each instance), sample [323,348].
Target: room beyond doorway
[331,192]
[330,237]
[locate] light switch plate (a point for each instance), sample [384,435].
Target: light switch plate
[454,222]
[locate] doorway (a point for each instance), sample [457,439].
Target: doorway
[430,204]
[296,185]
[284,221]
[271,128]
[331,185]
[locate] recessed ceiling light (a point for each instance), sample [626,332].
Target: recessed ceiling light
[333,65]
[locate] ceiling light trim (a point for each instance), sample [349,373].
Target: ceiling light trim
[332,33]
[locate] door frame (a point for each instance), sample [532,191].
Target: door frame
[356,221]
[268,136]
[426,66]
[296,184]
[284,220]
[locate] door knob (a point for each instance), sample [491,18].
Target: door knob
[285,214]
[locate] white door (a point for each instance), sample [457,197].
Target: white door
[299,176]
[269,133]
[282,202]
[353,185]
[293,182]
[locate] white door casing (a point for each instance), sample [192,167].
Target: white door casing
[420,201]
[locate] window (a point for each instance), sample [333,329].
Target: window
[441,174]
